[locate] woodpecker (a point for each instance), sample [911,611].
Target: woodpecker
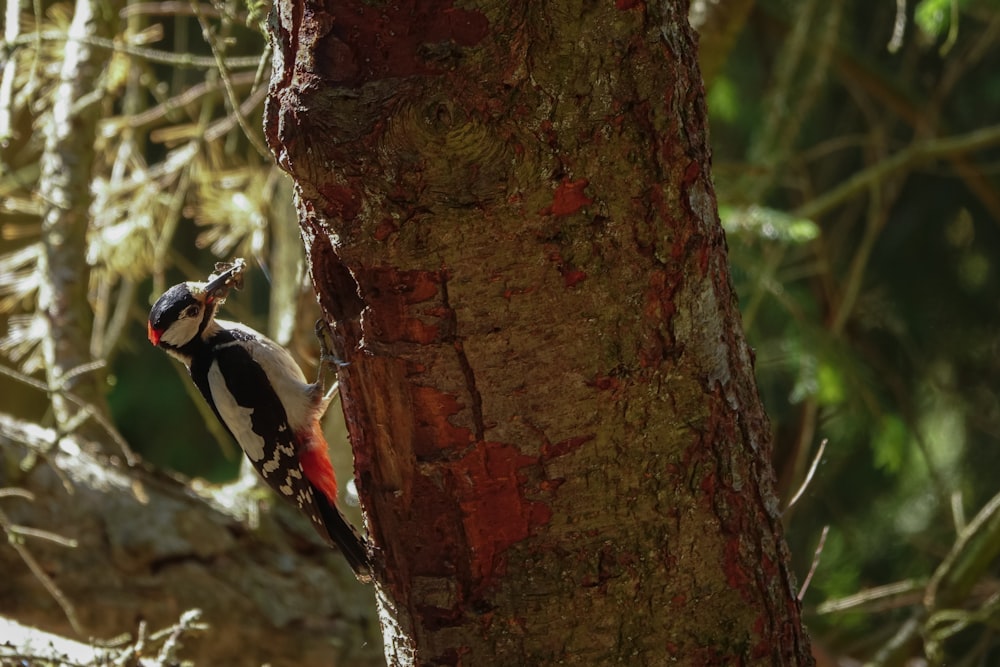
[260,395]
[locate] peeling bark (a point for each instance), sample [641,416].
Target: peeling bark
[559,446]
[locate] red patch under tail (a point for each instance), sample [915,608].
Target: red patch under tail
[316,463]
[319,471]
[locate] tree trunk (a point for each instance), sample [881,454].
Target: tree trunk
[559,446]
[64,186]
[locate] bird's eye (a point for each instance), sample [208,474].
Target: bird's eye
[191,311]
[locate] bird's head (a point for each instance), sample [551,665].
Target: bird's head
[186,310]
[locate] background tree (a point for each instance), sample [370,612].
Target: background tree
[853,146]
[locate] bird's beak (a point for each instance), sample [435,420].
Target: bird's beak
[153,334]
[218,286]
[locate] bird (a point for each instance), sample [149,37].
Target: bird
[260,395]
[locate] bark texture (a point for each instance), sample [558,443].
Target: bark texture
[559,445]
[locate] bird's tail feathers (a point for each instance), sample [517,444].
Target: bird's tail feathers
[342,534]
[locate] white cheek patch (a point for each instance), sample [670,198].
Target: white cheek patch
[181,332]
[236,417]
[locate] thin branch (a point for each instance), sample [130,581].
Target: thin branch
[26,645]
[179,60]
[170,8]
[223,125]
[130,456]
[234,102]
[119,317]
[815,562]
[809,476]
[875,221]
[40,574]
[898,28]
[188,96]
[187,623]
[197,132]
[957,511]
[14,492]
[12,25]
[909,588]
[38,533]
[914,155]
[974,551]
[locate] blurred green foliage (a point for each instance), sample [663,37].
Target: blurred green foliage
[877,322]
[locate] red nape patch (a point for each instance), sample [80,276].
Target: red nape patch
[568,198]
[627,4]
[496,515]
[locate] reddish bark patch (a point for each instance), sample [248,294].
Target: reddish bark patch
[433,431]
[568,198]
[389,293]
[605,383]
[440,543]
[659,310]
[627,4]
[368,42]
[385,229]
[768,567]
[453,657]
[691,172]
[336,285]
[496,514]
[563,447]
[438,618]
[341,201]
[658,303]
[761,649]
[551,485]
[511,292]
[732,565]
[708,485]
[573,276]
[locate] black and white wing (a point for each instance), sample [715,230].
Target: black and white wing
[241,395]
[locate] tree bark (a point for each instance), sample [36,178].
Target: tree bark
[559,446]
[64,186]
